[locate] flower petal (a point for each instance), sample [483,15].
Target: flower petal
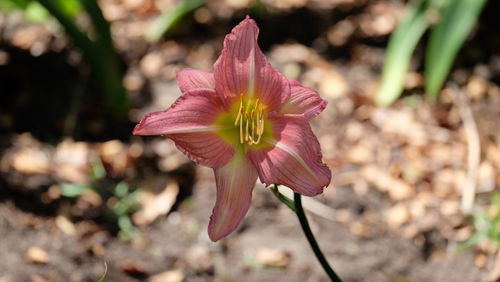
[188,79]
[242,68]
[189,122]
[295,159]
[303,100]
[205,148]
[235,182]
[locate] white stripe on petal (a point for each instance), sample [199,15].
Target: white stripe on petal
[195,129]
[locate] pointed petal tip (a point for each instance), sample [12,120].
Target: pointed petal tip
[304,100]
[235,182]
[295,160]
[243,68]
[248,19]
[213,234]
[139,128]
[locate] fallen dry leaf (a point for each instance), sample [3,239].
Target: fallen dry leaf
[65,225]
[131,267]
[38,278]
[360,229]
[37,255]
[480,260]
[397,189]
[397,215]
[333,84]
[155,205]
[71,161]
[199,258]
[168,276]
[31,161]
[28,156]
[272,257]
[338,34]
[476,87]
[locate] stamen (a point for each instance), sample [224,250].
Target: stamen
[240,110]
[252,119]
[253,122]
[241,130]
[248,122]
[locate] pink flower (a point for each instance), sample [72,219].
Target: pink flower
[245,120]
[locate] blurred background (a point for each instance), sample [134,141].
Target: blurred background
[411,133]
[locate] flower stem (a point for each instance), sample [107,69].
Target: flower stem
[284,199]
[312,241]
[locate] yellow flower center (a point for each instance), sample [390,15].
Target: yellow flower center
[250,120]
[245,124]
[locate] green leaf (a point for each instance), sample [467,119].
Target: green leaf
[127,202]
[121,189]
[8,5]
[69,7]
[97,170]
[401,46]
[171,17]
[72,190]
[99,53]
[446,39]
[35,12]
[472,240]
[127,229]
[495,199]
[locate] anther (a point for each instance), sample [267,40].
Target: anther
[251,121]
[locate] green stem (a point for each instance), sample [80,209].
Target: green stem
[284,199]
[312,241]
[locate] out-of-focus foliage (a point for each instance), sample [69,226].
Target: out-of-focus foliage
[35,12]
[32,10]
[401,45]
[446,39]
[103,277]
[171,17]
[486,225]
[123,198]
[99,53]
[456,18]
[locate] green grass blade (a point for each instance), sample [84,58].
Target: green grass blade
[108,74]
[446,39]
[99,54]
[103,277]
[401,46]
[169,18]
[9,5]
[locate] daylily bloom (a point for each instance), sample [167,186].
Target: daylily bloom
[246,121]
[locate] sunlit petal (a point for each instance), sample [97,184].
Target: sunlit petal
[189,122]
[242,68]
[189,79]
[295,160]
[235,182]
[303,100]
